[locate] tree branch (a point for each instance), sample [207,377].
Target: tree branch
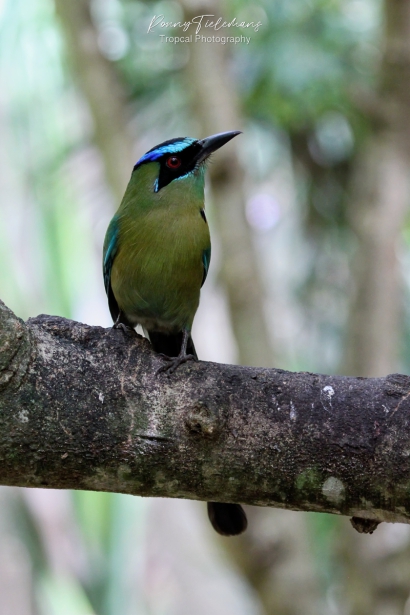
[82,408]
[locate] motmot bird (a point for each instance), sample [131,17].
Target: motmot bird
[157,251]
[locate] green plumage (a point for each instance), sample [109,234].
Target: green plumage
[161,244]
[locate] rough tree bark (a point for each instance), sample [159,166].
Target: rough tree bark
[82,408]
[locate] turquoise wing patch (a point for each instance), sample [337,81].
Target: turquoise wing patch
[110,250]
[206,259]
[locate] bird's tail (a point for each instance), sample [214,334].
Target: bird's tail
[170,344]
[226,519]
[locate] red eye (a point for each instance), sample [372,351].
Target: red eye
[173,162]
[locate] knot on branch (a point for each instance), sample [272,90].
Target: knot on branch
[397,385]
[203,420]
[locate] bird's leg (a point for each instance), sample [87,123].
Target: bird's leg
[183,357]
[121,325]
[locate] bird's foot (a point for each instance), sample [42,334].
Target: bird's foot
[174,362]
[125,328]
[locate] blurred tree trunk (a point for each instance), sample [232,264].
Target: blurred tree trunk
[270,563]
[17,574]
[380,198]
[215,104]
[102,90]
[276,557]
[379,202]
[376,568]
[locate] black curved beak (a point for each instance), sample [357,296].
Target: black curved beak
[214,142]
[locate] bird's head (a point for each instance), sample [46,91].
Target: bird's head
[179,160]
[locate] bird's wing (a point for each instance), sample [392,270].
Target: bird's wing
[206,259]
[109,252]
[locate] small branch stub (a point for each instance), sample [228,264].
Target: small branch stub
[364,526]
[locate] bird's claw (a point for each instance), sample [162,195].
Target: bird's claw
[125,328]
[174,362]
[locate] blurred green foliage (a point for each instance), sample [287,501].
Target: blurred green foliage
[295,81]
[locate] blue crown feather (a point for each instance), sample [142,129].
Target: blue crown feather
[173,146]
